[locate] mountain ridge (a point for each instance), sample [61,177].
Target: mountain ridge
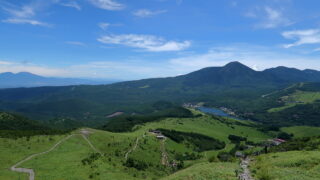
[234,85]
[26,79]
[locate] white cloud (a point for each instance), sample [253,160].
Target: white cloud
[258,58]
[72,4]
[255,57]
[309,36]
[32,68]
[26,21]
[24,14]
[77,43]
[107,4]
[147,13]
[269,17]
[147,42]
[5,63]
[104,25]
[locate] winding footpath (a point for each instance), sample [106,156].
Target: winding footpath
[31,171]
[245,175]
[131,150]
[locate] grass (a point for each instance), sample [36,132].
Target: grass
[65,162]
[302,131]
[299,97]
[294,165]
[208,126]
[202,171]
[14,150]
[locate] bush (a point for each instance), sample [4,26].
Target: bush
[139,165]
[201,142]
[236,139]
[284,135]
[225,157]
[213,159]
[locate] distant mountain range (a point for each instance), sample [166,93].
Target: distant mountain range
[25,79]
[234,85]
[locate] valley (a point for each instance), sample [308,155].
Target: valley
[154,137]
[114,147]
[159,90]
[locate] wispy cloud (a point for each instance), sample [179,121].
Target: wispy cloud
[26,21]
[256,57]
[309,36]
[24,14]
[104,25]
[26,11]
[107,4]
[147,42]
[77,43]
[72,4]
[269,17]
[147,13]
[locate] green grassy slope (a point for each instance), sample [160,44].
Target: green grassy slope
[14,150]
[298,97]
[294,165]
[66,160]
[302,131]
[201,171]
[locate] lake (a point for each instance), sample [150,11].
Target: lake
[216,111]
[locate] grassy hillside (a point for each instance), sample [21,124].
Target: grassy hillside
[297,105]
[302,131]
[14,150]
[293,165]
[298,97]
[221,171]
[133,155]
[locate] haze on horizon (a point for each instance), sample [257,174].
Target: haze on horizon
[121,39]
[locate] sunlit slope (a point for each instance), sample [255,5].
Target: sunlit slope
[294,165]
[214,171]
[302,131]
[76,159]
[14,150]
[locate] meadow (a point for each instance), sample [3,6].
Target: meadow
[80,161]
[298,97]
[302,131]
[292,165]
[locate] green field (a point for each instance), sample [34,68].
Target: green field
[65,161]
[14,150]
[302,131]
[294,165]
[298,97]
[201,171]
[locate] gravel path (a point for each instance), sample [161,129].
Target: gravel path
[245,175]
[84,133]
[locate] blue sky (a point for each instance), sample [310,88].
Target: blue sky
[133,39]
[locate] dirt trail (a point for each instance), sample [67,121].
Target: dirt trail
[245,175]
[131,150]
[164,154]
[84,134]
